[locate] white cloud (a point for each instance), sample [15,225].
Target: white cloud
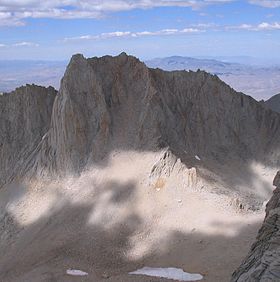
[13,12]
[7,19]
[119,34]
[19,44]
[99,36]
[205,25]
[260,27]
[25,44]
[191,30]
[242,26]
[115,34]
[266,3]
[268,26]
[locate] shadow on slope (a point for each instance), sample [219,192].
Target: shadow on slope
[44,235]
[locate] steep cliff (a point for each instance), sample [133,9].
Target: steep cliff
[262,263]
[25,116]
[118,103]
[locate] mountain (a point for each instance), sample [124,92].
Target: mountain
[274,103]
[259,81]
[128,166]
[188,63]
[117,102]
[244,60]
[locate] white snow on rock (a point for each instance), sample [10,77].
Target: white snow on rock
[169,273]
[76,272]
[198,158]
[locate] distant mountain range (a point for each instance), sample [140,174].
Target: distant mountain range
[244,74]
[261,82]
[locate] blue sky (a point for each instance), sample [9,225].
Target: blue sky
[55,29]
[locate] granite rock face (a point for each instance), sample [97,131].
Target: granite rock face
[263,260]
[25,116]
[118,103]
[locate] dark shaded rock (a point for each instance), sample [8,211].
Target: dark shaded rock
[273,103]
[263,260]
[276,181]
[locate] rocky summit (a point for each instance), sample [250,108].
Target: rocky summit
[117,102]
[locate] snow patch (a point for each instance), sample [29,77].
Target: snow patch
[76,272]
[198,158]
[265,203]
[169,273]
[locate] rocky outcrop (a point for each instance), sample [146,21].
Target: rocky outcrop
[263,261]
[168,166]
[274,103]
[25,116]
[164,166]
[118,103]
